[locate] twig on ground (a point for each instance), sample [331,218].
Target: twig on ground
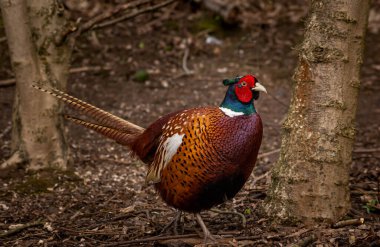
[258,178]
[3,39]
[7,129]
[20,228]
[92,232]
[367,150]
[88,68]
[260,156]
[7,82]
[248,237]
[184,62]
[142,240]
[276,236]
[364,192]
[298,233]
[305,241]
[243,219]
[12,81]
[350,222]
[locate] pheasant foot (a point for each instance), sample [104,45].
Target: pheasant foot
[173,223]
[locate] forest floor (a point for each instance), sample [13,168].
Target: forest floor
[102,200]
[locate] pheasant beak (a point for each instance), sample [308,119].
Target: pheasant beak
[258,87]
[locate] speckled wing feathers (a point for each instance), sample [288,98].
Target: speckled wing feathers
[173,132]
[166,150]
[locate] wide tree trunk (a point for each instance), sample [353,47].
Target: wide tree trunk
[310,181]
[31,27]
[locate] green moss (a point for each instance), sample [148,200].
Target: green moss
[42,181]
[140,75]
[34,185]
[348,132]
[333,104]
[209,23]
[172,25]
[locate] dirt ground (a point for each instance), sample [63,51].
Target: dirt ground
[102,200]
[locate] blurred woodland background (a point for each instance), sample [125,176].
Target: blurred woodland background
[174,55]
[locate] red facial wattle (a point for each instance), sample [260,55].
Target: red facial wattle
[243,89]
[244,94]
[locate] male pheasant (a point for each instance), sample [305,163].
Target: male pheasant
[197,158]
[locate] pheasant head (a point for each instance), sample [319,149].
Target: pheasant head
[241,93]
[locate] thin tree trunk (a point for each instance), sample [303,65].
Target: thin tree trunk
[37,129]
[310,181]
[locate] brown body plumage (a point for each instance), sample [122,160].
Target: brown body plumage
[197,158]
[209,166]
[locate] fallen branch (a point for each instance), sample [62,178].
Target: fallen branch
[260,156]
[184,62]
[88,25]
[12,81]
[142,240]
[91,232]
[16,160]
[305,241]
[367,150]
[298,233]
[350,222]
[258,178]
[6,131]
[100,21]
[20,228]
[364,192]
[88,68]
[7,82]
[129,16]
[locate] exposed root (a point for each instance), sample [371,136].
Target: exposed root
[20,228]
[14,162]
[349,222]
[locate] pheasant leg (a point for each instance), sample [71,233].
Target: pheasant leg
[206,232]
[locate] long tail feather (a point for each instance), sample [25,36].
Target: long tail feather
[102,117]
[121,137]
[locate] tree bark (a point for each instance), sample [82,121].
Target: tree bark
[310,181]
[37,138]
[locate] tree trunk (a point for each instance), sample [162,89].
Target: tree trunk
[310,181]
[37,130]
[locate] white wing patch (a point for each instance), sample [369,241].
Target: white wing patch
[165,152]
[230,112]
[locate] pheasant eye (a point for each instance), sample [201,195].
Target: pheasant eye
[243,84]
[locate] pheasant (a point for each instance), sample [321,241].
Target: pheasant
[197,158]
